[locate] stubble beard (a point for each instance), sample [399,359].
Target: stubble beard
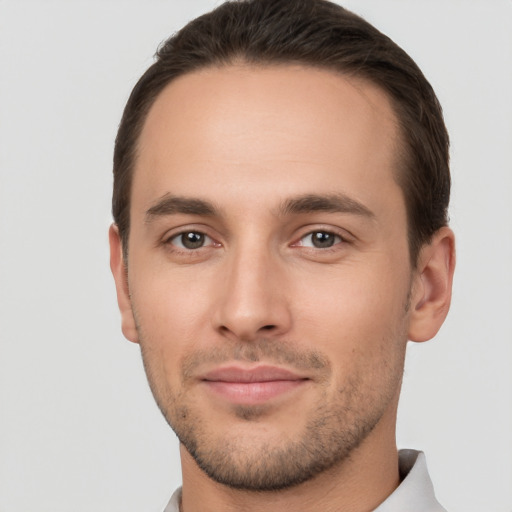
[325,442]
[333,430]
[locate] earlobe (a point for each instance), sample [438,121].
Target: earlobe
[118,268]
[432,289]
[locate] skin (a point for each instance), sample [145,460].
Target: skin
[234,154]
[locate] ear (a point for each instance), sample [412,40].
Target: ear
[432,287]
[120,273]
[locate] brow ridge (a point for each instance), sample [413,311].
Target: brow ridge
[308,203]
[333,203]
[170,205]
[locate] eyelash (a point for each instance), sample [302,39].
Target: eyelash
[170,241]
[326,234]
[180,236]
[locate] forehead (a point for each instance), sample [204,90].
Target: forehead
[296,128]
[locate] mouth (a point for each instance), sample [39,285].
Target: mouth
[253,385]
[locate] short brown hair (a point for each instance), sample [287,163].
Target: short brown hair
[314,33]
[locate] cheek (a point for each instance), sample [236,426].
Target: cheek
[355,315]
[362,331]
[168,301]
[172,317]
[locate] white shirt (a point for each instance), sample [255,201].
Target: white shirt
[414,494]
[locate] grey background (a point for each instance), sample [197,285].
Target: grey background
[78,428]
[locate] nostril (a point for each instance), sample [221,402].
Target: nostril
[268,327]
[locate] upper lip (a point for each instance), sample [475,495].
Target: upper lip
[262,373]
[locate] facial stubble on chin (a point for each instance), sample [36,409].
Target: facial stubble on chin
[332,431]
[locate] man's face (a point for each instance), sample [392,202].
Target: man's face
[268,269]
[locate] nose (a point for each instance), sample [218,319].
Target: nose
[252,300]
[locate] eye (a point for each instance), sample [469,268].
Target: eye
[190,240]
[320,240]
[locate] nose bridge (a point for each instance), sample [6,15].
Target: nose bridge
[252,300]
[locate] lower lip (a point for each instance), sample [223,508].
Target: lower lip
[253,393]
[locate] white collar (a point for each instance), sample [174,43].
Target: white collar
[415,492]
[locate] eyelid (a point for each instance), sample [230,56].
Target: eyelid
[312,246]
[343,234]
[178,231]
[208,241]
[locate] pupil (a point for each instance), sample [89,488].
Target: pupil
[322,240]
[192,240]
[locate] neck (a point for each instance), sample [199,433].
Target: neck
[357,484]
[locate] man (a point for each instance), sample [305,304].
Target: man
[281,186]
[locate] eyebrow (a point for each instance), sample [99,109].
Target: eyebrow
[171,205]
[332,203]
[309,203]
